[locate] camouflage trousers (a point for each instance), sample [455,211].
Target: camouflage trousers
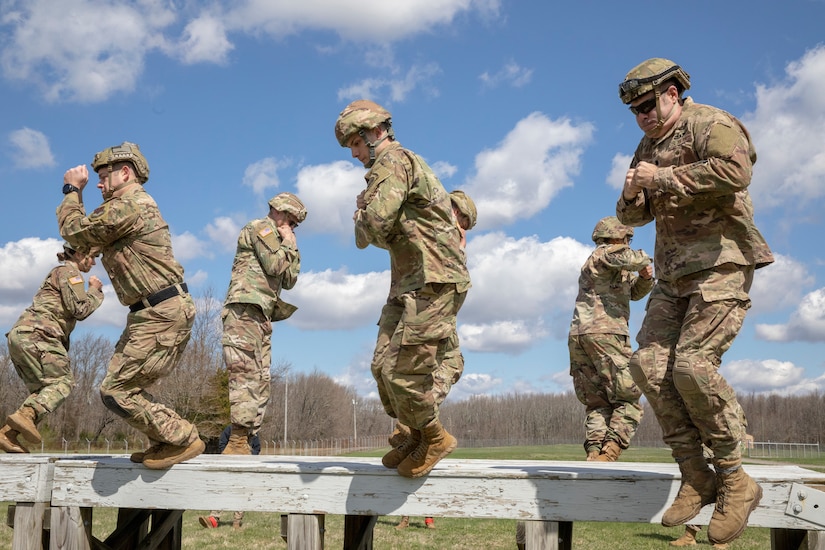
[42,362]
[603,384]
[689,324]
[247,353]
[149,349]
[417,358]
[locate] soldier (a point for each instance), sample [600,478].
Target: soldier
[406,210]
[690,173]
[599,341]
[451,367]
[137,255]
[266,260]
[39,343]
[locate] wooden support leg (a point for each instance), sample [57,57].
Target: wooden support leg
[71,527]
[28,525]
[358,532]
[305,532]
[548,535]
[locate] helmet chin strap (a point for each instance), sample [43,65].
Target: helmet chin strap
[660,120]
[372,145]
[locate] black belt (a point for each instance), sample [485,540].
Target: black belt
[159,296]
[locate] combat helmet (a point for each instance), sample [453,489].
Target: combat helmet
[125,152]
[465,205]
[287,202]
[649,75]
[358,116]
[611,228]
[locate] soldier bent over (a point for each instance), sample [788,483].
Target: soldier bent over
[266,260]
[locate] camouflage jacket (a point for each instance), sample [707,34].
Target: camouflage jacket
[702,208]
[60,303]
[263,265]
[607,283]
[134,239]
[409,213]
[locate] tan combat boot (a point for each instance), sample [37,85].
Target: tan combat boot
[688,538]
[397,455]
[698,489]
[9,442]
[404,523]
[238,442]
[169,455]
[398,436]
[138,456]
[610,452]
[592,454]
[24,421]
[737,496]
[436,443]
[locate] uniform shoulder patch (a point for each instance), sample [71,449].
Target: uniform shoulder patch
[265,232]
[76,280]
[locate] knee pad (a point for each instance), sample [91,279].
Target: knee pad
[685,379]
[111,403]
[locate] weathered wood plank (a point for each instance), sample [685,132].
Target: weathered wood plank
[26,478]
[526,490]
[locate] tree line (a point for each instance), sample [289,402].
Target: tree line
[317,407]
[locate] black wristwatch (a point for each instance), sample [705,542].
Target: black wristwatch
[69,188]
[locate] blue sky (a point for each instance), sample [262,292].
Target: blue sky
[515,102]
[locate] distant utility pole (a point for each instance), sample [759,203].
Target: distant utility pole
[354,423]
[286,400]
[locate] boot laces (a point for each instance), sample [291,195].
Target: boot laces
[721,493]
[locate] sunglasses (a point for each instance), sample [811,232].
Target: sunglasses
[644,107]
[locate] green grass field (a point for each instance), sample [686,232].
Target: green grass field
[261,531]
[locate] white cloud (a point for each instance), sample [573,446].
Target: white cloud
[204,40]
[30,149]
[519,178]
[511,73]
[224,231]
[770,376]
[263,175]
[187,246]
[806,324]
[444,170]
[328,191]
[522,279]
[779,285]
[387,21]
[501,336]
[473,383]
[330,300]
[68,49]
[417,77]
[788,129]
[618,170]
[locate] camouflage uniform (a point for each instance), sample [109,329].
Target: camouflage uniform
[263,264]
[409,213]
[707,247]
[137,254]
[39,340]
[599,343]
